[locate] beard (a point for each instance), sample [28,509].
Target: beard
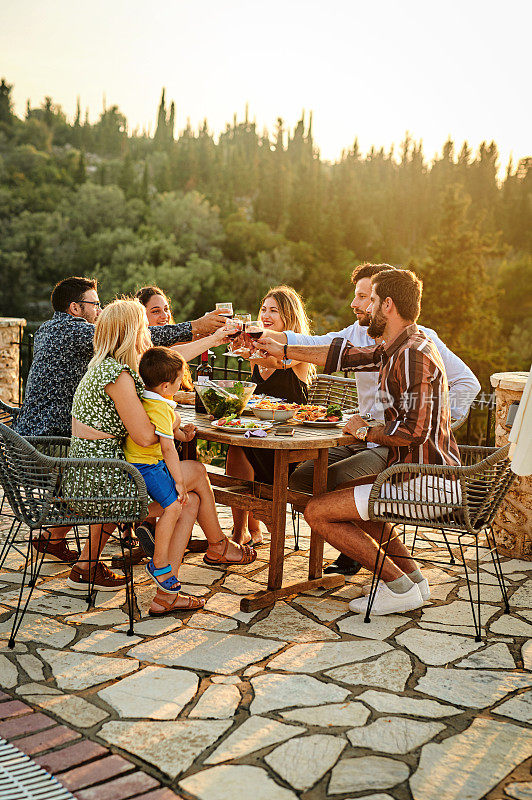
[377,324]
[364,320]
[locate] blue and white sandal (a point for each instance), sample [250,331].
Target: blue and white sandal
[170,585]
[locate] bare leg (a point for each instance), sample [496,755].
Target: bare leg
[335,517]
[254,529]
[196,480]
[178,545]
[164,532]
[238,466]
[56,534]
[97,538]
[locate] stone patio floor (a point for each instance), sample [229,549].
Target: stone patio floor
[302,700]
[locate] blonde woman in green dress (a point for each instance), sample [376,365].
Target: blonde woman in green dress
[105,409]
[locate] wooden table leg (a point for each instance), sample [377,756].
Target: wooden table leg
[276,591]
[280,491]
[315,564]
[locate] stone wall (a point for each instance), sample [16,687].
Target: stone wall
[11,330]
[513,522]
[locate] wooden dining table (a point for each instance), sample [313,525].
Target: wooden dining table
[269,502]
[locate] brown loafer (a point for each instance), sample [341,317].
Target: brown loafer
[104,579]
[55,550]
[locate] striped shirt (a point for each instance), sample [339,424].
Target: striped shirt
[414,392]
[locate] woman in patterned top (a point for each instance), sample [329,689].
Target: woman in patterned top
[106,408]
[159,312]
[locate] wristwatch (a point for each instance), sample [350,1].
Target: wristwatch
[362,432]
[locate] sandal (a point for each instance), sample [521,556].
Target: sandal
[170,585]
[193,604]
[249,554]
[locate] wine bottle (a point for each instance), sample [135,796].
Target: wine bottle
[203,374]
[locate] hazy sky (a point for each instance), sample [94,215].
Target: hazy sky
[367,68]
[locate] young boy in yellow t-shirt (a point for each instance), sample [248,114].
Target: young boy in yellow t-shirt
[162,369]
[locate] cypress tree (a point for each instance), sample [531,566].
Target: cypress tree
[80,176]
[160,132]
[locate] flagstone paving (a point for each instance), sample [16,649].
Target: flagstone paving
[302,700]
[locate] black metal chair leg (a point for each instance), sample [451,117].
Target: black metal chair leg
[22,607]
[377,576]
[295,527]
[451,554]
[492,545]
[9,540]
[476,621]
[128,573]
[413,540]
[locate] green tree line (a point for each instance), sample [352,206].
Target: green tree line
[224,217]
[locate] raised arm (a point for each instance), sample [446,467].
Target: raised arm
[308,339]
[130,410]
[311,355]
[190,350]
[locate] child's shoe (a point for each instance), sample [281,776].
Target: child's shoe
[170,585]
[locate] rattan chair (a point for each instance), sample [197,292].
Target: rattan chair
[8,414]
[105,491]
[456,500]
[329,389]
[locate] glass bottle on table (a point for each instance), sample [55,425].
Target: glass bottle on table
[204,373]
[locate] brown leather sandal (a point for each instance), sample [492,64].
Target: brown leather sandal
[169,606]
[249,555]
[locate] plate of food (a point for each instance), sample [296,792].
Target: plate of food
[317,416]
[275,409]
[234,424]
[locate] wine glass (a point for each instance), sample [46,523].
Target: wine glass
[225,309]
[253,329]
[235,347]
[235,335]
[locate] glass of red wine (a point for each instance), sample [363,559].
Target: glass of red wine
[253,331]
[237,343]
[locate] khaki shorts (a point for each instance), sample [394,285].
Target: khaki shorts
[411,494]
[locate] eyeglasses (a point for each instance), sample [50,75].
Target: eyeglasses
[91,302]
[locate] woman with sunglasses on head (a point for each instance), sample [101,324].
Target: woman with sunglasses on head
[281,309]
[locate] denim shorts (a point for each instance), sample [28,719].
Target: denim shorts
[159,482]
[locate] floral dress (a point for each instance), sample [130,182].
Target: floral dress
[93,406]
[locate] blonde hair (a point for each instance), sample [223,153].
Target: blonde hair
[292,312]
[121,332]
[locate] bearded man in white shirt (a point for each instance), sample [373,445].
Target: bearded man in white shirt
[352,462]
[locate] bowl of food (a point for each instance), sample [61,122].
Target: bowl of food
[224,398]
[275,411]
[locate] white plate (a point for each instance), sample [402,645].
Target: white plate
[262,427]
[319,423]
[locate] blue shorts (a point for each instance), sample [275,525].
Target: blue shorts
[159,483]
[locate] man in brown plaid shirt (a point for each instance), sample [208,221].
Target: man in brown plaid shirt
[417,429]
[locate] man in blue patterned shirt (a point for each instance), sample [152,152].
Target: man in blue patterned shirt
[63,349]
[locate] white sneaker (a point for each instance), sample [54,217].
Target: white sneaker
[423,587]
[388,602]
